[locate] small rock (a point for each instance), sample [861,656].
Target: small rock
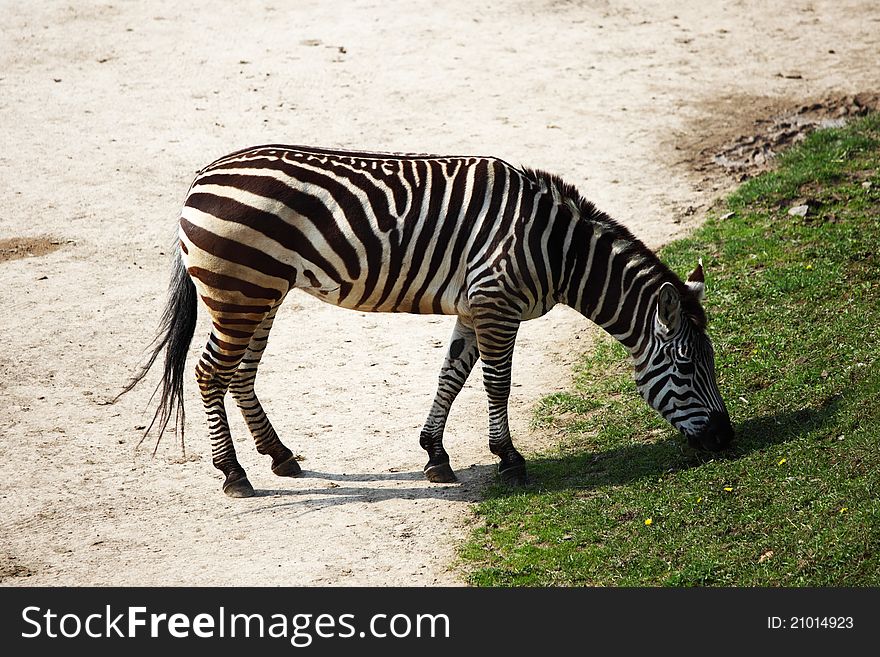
[799,210]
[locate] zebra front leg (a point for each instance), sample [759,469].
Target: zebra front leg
[495,338]
[459,362]
[284,464]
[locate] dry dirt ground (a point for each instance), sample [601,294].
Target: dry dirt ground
[106,111]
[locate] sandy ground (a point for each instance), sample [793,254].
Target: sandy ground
[106,111]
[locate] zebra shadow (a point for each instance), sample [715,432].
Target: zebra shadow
[332,489]
[583,469]
[623,465]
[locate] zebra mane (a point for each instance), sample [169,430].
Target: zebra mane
[567,194]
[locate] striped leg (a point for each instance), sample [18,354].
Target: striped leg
[284,463]
[459,362]
[496,337]
[227,345]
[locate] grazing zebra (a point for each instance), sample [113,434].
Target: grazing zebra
[468,236]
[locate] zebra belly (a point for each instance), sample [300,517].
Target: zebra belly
[353,296]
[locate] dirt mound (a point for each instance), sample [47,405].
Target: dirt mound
[752,153]
[728,138]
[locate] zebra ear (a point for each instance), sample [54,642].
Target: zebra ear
[668,307]
[697,282]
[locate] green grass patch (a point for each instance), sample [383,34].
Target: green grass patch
[794,308]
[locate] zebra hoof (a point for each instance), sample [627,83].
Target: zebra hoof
[440,474]
[513,475]
[287,468]
[237,485]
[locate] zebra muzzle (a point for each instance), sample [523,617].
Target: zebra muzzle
[716,435]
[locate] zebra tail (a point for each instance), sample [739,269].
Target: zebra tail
[176,329]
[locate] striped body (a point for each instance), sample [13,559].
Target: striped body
[468,236]
[370,232]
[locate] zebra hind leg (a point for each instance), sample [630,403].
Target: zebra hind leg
[214,372]
[284,463]
[459,362]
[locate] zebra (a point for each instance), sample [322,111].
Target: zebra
[475,237]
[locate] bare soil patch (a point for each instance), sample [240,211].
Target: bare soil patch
[12,248]
[740,136]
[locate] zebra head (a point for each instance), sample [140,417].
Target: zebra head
[676,373]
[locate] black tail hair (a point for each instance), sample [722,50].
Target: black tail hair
[176,329]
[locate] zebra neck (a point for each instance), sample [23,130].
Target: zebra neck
[615,282]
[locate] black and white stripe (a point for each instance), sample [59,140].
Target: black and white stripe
[468,236]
